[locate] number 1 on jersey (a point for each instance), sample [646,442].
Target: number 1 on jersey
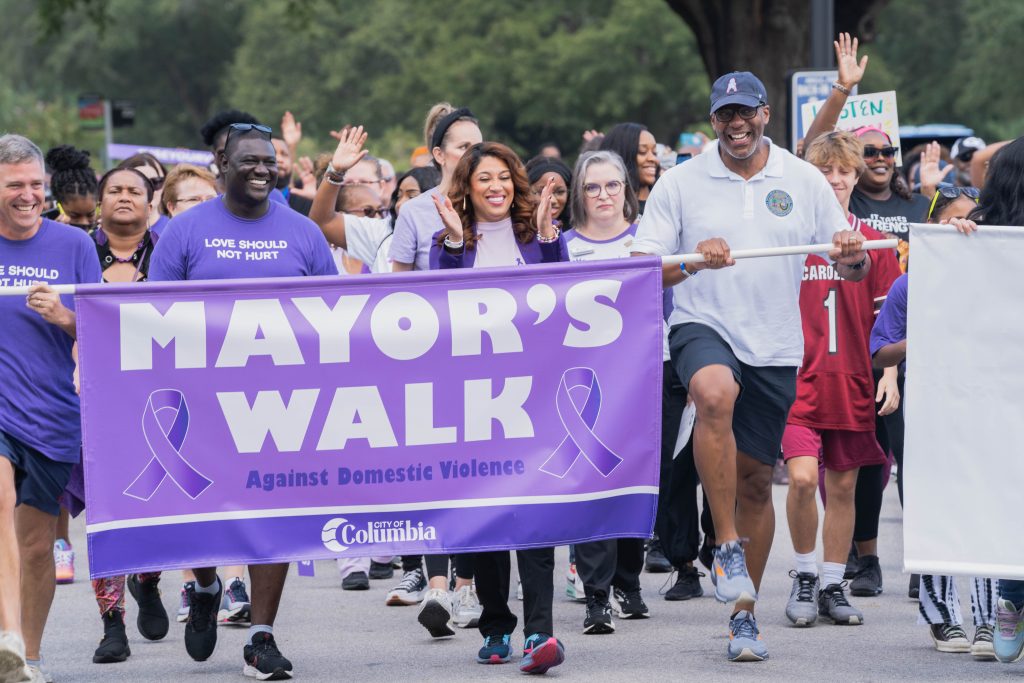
[830,306]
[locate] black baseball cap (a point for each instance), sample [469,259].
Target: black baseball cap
[738,87]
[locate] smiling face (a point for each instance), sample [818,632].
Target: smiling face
[21,199]
[647,158]
[880,169]
[125,205]
[842,180]
[491,190]
[249,167]
[741,138]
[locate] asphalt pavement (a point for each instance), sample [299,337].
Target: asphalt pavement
[335,635]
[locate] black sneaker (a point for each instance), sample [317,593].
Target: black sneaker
[833,605]
[263,661]
[914,590]
[356,581]
[152,621]
[381,570]
[867,582]
[687,585]
[201,625]
[852,563]
[629,604]
[707,553]
[599,616]
[656,562]
[114,646]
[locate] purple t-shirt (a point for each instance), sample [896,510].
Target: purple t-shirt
[891,324]
[160,224]
[208,242]
[38,403]
[417,223]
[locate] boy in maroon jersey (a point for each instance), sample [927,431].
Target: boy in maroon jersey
[832,420]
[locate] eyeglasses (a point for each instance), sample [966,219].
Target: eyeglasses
[872,152]
[195,200]
[245,127]
[727,114]
[366,211]
[952,193]
[612,187]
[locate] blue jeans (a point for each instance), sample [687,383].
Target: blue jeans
[1012,590]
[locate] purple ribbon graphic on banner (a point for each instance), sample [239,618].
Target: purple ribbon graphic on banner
[579,424]
[165,445]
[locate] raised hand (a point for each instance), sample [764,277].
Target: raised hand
[449,216]
[850,70]
[930,173]
[544,217]
[350,148]
[291,130]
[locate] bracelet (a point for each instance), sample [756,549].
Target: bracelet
[688,274]
[549,240]
[860,265]
[453,245]
[841,88]
[331,179]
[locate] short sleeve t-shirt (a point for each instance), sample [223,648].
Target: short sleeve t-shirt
[891,216]
[754,305]
[835,386]
[891,325]
[38,404]
[369,239]
[208,242]
[416,226]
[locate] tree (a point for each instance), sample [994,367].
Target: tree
[769,38]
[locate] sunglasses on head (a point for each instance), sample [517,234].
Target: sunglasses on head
[872,152]
[952,193]
[245,127]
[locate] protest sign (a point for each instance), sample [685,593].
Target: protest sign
[253,421]
[873,109]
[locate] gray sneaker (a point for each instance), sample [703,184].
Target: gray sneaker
[732,582]
[801,608]
[833,605]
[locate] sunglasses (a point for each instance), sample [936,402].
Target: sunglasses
[245,127]
[952,193]
[367,212]
[727,114]
[872,152]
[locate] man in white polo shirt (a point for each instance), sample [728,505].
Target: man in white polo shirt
[736,339]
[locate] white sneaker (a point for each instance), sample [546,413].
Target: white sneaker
[466,608]
[409,590]
[12,658]
[37,675]
[574,585]
[436,614]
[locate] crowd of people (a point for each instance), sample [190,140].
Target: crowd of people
[793,363]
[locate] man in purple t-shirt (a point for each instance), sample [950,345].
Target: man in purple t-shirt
[242,234]
[40,432]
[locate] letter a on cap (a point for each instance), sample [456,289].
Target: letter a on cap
[731,88]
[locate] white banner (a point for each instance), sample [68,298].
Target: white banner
[964,459]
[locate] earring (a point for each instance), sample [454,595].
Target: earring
[463,205]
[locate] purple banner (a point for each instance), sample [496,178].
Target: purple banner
[244,421]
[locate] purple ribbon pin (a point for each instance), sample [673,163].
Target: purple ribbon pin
[165,424]
[579,424]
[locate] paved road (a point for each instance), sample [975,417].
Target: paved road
[334,635]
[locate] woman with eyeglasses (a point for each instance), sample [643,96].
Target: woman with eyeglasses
[149,166]
[542,169]
[73,184]
[491,220]
[186,186]
[639,150]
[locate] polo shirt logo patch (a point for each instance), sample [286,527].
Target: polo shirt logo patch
[779,202]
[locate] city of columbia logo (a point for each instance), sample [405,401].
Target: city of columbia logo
[779,202]
[339,534]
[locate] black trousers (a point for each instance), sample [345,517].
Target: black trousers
[493,572]
[437,565]
[614,562]
[871,480]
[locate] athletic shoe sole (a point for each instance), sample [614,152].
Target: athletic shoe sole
[861,593]
[399,601]
[182,618]
[436,619]
[275,675]
[983,651]
[598,629]
[543,657]
[472,622]
[744,596]
[955,648]
[239,616]
[802,622]
[748,655]
[110,659]
[852,621]
[495,659]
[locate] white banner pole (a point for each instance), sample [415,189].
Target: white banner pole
[777,251]
[23,291]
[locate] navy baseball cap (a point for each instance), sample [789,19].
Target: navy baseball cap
[738,87]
